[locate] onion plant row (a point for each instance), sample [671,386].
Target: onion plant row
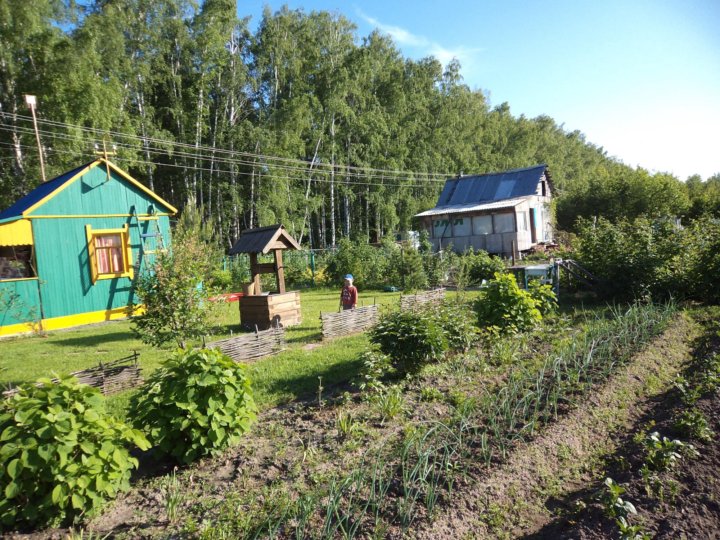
[399,485]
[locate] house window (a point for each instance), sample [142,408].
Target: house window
[522,221]
[441,228]
[461,227]
[16,262]
[482,225]
[109,253]
[504,223]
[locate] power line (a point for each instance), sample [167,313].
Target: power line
[365,170]
[218,171]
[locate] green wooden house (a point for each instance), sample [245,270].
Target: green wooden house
[70,249]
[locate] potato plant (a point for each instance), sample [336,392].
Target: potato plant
[62,456]
[198,403]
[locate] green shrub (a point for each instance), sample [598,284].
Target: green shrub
[482,266]
[457,323]
[505,305]
[221,280]
[409,339]
[375,366]
[198,403]
[543,294]
[61,455]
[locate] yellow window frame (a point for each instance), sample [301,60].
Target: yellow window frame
[126,251]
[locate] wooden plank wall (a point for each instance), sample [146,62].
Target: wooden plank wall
[246,347]
[415,301]
[109,378]
[346,322]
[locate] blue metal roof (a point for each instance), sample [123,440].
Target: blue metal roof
[38,194]
[491,187]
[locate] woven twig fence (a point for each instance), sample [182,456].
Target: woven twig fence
[109,378]
[351,321]
[414,301]
[244,347]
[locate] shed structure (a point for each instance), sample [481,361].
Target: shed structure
[70,249]
[502,213]
[264,310]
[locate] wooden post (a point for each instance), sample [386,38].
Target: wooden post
[254,271]
[279,271]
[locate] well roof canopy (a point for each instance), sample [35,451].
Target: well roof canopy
[263,240]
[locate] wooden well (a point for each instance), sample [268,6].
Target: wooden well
[279,308]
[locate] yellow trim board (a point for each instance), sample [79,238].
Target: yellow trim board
[86,216]
[84,170]
[68,321]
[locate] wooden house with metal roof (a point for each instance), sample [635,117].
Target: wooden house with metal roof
[502,213]
[69,249]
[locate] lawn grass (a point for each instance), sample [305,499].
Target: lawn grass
[284,376]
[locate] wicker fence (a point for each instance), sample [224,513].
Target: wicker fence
[244,347]
[346,322]
[415,301]
[109,378]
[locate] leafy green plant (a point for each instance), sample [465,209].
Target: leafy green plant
[663,453]
[62,456]
[543,294]
[456,321]
[174,297]
[482,266]
[375,365]
[615,505]
[429,393]
[505,305]
[198,403]
[390,402]
[631,532]
[692,423]
[409,339]
[346,425]
[173,496]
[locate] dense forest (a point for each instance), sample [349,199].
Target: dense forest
[300,121]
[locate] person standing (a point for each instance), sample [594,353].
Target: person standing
[349,293]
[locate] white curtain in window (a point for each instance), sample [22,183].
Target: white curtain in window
[108,249]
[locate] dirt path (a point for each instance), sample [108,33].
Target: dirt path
[510,501]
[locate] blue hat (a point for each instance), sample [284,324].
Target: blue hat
[348,276]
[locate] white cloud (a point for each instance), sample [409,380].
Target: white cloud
[424,46]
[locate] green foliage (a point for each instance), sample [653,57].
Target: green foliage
[371,267]
[482,266]
[198,403]
[390,402]
[692,423]
[175,299]
[505,305]
[663,453]
[634,259]
[375,366]
[456,320]
[410,339]
[62,456]
[409,265]
[544,296]
[615,505]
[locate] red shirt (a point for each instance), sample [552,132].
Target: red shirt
[349,295]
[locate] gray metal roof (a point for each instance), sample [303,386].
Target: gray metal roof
[458,208]
[491,187]
[261,240]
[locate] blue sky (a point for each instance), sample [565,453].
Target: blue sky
[641,78]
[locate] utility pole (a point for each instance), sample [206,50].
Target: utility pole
[31,102]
